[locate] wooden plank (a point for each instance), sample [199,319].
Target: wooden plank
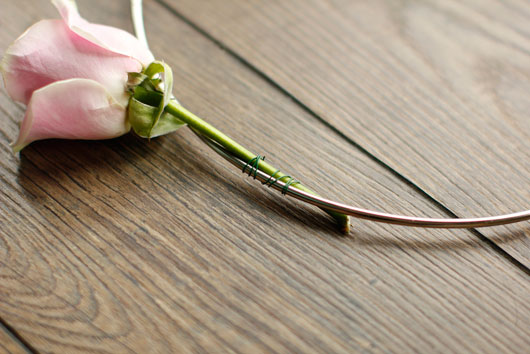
[127,245]
[437,90]
[9,344]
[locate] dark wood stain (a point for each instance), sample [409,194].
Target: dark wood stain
[127,245]
[437,91]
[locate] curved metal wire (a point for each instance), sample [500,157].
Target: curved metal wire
[289,186]
[138,21]
[364,213]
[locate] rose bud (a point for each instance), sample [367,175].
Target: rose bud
[72,75]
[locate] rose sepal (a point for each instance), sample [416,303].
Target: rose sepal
[151,92]
[143,116]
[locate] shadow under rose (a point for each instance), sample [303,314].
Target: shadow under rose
[47,166]
[61,158]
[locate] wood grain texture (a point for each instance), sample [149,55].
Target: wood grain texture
[134,246]
[9,344]
[438,90]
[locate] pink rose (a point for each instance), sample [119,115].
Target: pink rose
[72,76]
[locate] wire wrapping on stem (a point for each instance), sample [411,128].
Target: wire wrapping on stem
[253,169]
[376,216]
[288,187]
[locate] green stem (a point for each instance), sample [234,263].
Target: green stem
[211,132]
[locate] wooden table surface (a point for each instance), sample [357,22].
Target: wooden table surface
[413,107]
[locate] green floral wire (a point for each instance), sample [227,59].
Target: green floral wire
[253,165]
[271,180]
[290,182]
[349,210]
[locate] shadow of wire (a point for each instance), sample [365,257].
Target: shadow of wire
[53,160]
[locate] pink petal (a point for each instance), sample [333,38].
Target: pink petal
[49,51]
[72,109]
[110,38]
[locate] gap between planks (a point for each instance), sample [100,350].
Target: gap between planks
[11,341]
[517,263]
